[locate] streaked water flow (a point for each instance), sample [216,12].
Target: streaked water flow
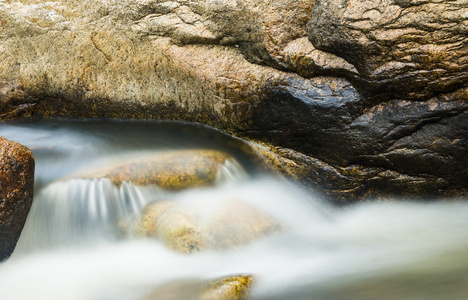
[71,247]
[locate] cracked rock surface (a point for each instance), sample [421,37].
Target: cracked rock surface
[358,99]
[401,48]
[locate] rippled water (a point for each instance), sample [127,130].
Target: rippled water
[70,248]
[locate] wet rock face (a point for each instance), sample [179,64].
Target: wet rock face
[16,192]
[401,48]
[356,98]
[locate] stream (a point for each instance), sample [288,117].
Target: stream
[71,248]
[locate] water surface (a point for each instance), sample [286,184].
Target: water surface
[70,248]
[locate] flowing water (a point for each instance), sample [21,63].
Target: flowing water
[71,247]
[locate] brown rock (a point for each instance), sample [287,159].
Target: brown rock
[16,192]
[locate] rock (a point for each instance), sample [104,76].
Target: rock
[358,99]
[16,192]
[173,170]
[229,288]
[147,225]
[406,49]
[235,287]
[399,148]
[204,225]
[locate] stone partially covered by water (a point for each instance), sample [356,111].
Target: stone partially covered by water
[173,170]
[205,224]
[235,287]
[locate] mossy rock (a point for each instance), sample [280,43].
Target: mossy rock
[188,228]
[173,170]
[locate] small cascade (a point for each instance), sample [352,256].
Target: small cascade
[230,170]
[76,211]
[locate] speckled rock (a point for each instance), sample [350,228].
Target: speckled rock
[406,49]
[173,170]
[16,192]
[230,288]
[200,224]
[234,287]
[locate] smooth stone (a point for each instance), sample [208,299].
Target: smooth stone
[173,170]
[193,227]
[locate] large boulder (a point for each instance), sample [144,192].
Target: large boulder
[356,98]
[16,192]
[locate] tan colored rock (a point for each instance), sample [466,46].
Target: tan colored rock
[146,226]
[229,288]
[127,59]
[173,170]
[235,287]
[16,192]
[200,226]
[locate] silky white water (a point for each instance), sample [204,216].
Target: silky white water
[70,247]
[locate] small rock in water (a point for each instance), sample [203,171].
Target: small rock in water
[187,229]
[229,288]
[234,287]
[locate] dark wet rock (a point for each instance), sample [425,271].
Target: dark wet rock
[397,148]
[401,48]
[16,192]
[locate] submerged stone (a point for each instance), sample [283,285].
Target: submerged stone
[235,287]
[204,225]
[229,288]
[16,192]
